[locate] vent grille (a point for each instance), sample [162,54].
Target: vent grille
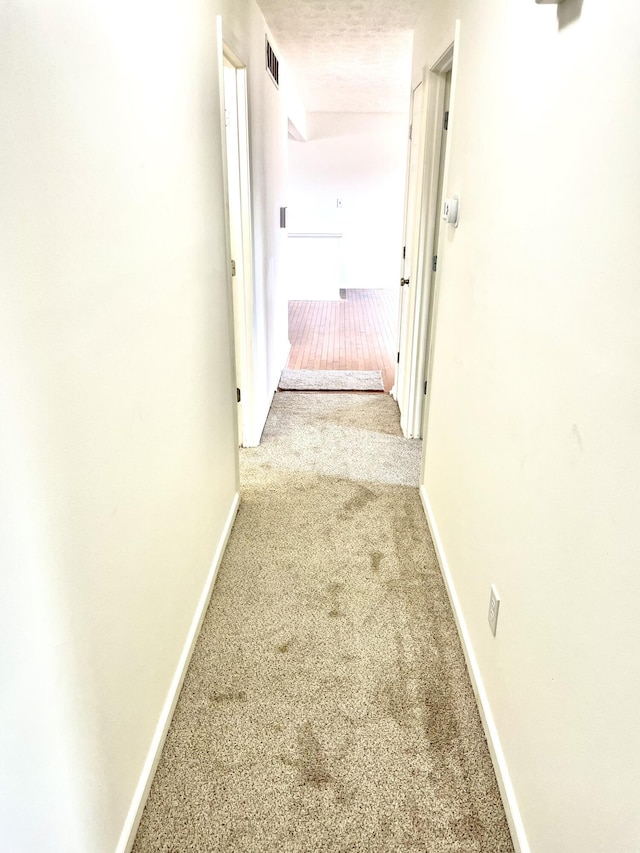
[271,61]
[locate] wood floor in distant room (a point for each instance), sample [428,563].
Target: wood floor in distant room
[359,332]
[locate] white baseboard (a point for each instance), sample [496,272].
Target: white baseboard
[507,793]
[128,834]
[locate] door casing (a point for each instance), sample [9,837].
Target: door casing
[415,361]
[402,387]
[235,126]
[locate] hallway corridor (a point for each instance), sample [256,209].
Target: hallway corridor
[327,706]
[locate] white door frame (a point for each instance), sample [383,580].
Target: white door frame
[237,197]
[415,362]
[429,306]
[411,241]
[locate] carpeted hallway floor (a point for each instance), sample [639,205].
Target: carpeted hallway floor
[327,706]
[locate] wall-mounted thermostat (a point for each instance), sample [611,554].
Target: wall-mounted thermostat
[450,207]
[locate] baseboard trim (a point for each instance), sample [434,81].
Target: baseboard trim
[507,793]
[128,834]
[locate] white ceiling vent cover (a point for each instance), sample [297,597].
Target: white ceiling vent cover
[271,62]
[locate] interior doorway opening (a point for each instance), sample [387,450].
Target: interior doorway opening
[354,333]
[344,220]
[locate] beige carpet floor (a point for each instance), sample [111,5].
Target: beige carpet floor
[331,380]
[327,706]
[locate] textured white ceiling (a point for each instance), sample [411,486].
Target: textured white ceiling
[347,55]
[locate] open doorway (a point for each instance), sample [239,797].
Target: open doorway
[354,333]
[346,186]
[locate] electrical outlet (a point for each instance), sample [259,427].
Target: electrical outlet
[494,606]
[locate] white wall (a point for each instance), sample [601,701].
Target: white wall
[531,456]
[360,159]
[117,397]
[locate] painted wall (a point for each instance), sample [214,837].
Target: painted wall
[117,398]
[531,457]
[361,160]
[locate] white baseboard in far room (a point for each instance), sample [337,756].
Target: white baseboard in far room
[507,792]
[128,834]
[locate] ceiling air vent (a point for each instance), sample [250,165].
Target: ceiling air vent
[273,66]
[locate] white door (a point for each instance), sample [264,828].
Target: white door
[411,223]
[422,221]
[236,136]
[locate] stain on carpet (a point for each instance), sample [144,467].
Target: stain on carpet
[334,591]
[376,560]
[312,762]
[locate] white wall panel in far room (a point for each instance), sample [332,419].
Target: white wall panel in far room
[315,266]
[348,178]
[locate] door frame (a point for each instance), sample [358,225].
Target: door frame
[240,285]
[411,241]
[416,362]
[447,63]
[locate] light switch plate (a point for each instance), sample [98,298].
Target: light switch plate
[450,207]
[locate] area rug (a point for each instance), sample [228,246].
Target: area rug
[331,380]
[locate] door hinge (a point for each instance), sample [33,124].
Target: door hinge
[434,266]
[410,131]
[398,359]
[238,395]
[404,252]
[425,386]
[446,120]
[233,268]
